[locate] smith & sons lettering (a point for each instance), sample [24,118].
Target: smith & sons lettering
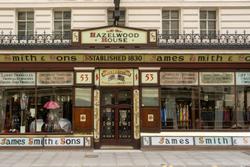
[129,58]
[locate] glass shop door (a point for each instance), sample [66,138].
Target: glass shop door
[116,116]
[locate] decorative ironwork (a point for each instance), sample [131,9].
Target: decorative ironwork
[165,41]
[44,39]
[211,41]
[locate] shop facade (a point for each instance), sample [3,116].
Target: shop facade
[133,104]
[124,91]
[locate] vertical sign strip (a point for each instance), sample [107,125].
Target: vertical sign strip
[96,115]
[136,115]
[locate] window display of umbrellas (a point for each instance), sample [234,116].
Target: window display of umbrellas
[51,105]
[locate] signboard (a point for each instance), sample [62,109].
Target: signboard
[114,35]
[213,141]
[149,77]
[54,78]
[21,142]
[216,78]
[123,58]
[178,141]
[84,78]
[115,77]
[241,141]
[179,78]
[17,78]
[242,78]
[64,141]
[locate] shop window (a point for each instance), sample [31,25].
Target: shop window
[208,23]
[121,21]
[178,106]
[17,109]
[217,107]
[83,97]
[243,100]
[170,22]
[25,25]
[62,24]
[150,97]
[54,110]
[243,108]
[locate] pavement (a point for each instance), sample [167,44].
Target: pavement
[122,158]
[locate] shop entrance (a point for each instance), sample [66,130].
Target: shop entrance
[116,116]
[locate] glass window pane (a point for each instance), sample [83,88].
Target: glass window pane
[165,14]
[217,106]
[30,15]
[203,14]
[124,97]
[212,25]
[175,25]
[165,25]
[122,15]
[58,15]
[21,15]
[174,15]
[211,15]
[83,97]
[203,25]
[66,35]
[66,25]
[30,26]
[175,32]
[21,26]
[58,25]
[21,35]
[17,110]
[178,104]
[110,14]
[243,109]
[67,15]
[150,97]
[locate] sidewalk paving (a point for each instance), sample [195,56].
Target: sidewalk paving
[122,158]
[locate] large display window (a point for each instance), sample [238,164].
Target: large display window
[179,100]
[179,107]
[217,100]
[243,100]
[17,109]
[54,110]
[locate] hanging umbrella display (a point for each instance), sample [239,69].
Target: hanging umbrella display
[51,105]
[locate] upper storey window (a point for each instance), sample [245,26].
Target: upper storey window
[208,23]
[25,24]
[62,24]
[170,22]
[121,21]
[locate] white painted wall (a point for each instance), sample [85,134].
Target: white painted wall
[43,21]
[234,19]
[7,21]
[190,20]
[88,18]
[143,18]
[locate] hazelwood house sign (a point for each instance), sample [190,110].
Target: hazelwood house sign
[114,35]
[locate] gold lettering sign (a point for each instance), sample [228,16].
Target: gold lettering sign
[55,78]
[123,58]
[217,78]
[114,35]
[116,77]
[179,78]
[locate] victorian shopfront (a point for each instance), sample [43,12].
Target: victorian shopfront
[140,96]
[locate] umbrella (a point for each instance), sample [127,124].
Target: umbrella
[51,105]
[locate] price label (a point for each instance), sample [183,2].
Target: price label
[149,77]
[84,78]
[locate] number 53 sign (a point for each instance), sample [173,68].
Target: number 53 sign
[84,78]
[149,77]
